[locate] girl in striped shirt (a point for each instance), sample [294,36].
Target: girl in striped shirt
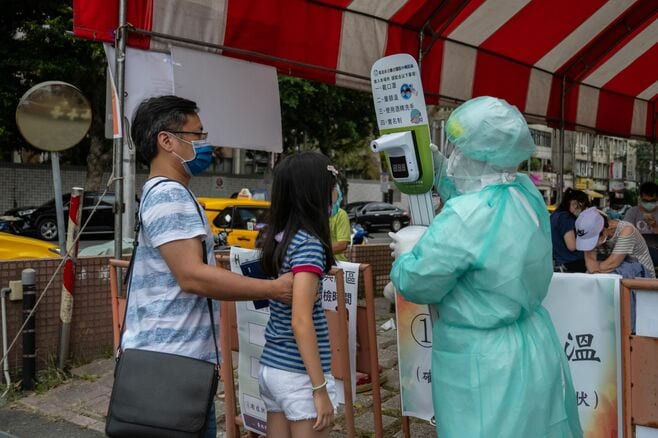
[295,376]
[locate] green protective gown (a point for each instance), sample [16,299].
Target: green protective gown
[498,369]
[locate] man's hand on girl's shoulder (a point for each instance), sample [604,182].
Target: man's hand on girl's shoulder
[283,288]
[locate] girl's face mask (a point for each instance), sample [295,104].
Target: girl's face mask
[575,208]
[338,195]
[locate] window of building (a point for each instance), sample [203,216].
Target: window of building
[541,138]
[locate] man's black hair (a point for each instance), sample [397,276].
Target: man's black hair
[156,114]
[649,188]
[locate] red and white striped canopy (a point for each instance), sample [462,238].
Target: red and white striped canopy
[593,61]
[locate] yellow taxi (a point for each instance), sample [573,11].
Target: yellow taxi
[14,247]
[241,219]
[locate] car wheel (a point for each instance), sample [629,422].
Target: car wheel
[396,225]
[47,229]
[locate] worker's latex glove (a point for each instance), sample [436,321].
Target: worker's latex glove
[389,292]
[405,239]
[439,161]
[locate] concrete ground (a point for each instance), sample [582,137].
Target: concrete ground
[77,408]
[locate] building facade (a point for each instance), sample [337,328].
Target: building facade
[603,166]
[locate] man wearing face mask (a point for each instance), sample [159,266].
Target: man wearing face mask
[485,265]
[645,217]
[167,308]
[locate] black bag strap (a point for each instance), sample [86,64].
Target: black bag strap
[129,272]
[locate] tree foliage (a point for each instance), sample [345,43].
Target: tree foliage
[644,156]
[36,46]
[339,122]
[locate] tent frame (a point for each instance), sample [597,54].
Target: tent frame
[426,30]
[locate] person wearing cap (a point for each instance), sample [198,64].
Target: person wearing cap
[485,264]
[615,242]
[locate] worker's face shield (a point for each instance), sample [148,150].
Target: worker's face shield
[470,175]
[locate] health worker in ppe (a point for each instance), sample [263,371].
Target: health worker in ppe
[485,264]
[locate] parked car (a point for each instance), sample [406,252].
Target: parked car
[351,207]
[11,224]
[379,215]
[14,247]
[240,219]
[41,221]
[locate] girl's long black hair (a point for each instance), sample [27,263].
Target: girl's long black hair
[301,198]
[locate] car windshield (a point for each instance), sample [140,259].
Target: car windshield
[51,203]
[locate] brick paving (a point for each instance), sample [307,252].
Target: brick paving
[83,400]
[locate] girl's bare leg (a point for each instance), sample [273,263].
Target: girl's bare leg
[278,425]
[304,429]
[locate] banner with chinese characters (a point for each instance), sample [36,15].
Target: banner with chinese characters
[251,338]
[397,91]
[251,323]
[414,358]
[585,312]
[329,298]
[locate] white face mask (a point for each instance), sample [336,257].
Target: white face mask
[574,208]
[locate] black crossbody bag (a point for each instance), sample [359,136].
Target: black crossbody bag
[161,394]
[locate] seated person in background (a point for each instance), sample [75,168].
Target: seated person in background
[339,226]
[612,246]
[645,214]
[563,235]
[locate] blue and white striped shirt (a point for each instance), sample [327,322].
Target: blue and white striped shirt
[160,315]
[304,254]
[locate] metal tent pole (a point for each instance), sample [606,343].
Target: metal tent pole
[653,143]
[120,48]
[128,217]
[560,175]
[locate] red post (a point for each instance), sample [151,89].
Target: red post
[68,286]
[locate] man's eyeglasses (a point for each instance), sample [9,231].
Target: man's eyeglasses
[201,134]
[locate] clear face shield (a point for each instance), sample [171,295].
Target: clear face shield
[442,184]
[470,175]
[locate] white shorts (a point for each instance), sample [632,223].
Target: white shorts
[291,393]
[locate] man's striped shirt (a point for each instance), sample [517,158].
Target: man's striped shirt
[160,315]
[633,246]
